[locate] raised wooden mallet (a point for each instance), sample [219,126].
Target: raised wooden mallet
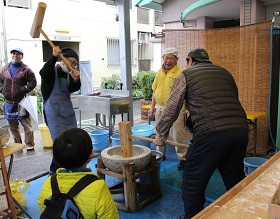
[36,29]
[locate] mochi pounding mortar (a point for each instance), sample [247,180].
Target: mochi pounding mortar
[114,157]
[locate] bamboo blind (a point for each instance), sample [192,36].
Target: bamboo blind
[243,51]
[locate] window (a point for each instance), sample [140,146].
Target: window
[144,65]
[144,46]
[18,3]
[143,15]
[113,52]
[116,2]
[158,19]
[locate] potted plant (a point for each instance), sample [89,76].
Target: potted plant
[145,81]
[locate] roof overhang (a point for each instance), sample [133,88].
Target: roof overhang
[153,4]
[195,6]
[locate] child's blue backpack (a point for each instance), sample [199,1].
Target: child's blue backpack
[61,205]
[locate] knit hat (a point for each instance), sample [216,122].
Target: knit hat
[199,54]
[68,52]
[19,50]
[170,51]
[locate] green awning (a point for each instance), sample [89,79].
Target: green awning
[196,5]
[157,6]
[148,4]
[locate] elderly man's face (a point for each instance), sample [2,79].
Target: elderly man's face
[169,61]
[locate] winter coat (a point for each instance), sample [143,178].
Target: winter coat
[15,89]
[94,201]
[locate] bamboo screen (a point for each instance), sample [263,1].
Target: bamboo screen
[243,51]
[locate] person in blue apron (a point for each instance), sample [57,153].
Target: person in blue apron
[16,81]
[57,84]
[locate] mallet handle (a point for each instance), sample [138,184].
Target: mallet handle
[152,140]
[52,45]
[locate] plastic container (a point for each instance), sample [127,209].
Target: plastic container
[115,139]
[99,139]
[146,178]
[45,135]
[142,130]
[252,163]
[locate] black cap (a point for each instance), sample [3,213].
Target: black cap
[199,54]
[68,52]
[19,50]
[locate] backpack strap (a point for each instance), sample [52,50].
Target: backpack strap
[78,186]
[54,185]
[81,184]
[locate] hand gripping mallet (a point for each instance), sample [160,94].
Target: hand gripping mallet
[36,29]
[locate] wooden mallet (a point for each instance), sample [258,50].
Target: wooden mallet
[36,29]
[126,139]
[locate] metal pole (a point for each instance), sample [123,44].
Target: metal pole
[125,53]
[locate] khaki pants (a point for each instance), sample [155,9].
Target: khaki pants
[28,132]
[177,132]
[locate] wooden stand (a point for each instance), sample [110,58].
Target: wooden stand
[7,205]
[137,194]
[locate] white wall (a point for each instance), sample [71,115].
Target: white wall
[89,22]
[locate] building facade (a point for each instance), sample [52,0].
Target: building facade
[90,27]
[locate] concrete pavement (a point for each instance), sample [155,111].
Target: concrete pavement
[29,165]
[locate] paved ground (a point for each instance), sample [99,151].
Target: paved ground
[33,164]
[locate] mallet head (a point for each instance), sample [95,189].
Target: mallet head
[38,20]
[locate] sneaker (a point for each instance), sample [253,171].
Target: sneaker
[29,148]
[181,165]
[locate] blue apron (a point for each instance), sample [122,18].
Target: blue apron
[58,107]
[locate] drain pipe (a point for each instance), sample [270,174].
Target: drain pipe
[274,15]
[5,57]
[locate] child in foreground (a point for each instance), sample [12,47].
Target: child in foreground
[72,150]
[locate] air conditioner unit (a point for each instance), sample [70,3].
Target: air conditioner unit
[143,37]
[19,3]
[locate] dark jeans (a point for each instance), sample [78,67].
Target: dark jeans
[225,151]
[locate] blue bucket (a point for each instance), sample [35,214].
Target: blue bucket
[142,130]
[115,140]
[144,143]
[99,139]
[252,163]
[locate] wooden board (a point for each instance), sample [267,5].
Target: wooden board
[274,205]
[249,198]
